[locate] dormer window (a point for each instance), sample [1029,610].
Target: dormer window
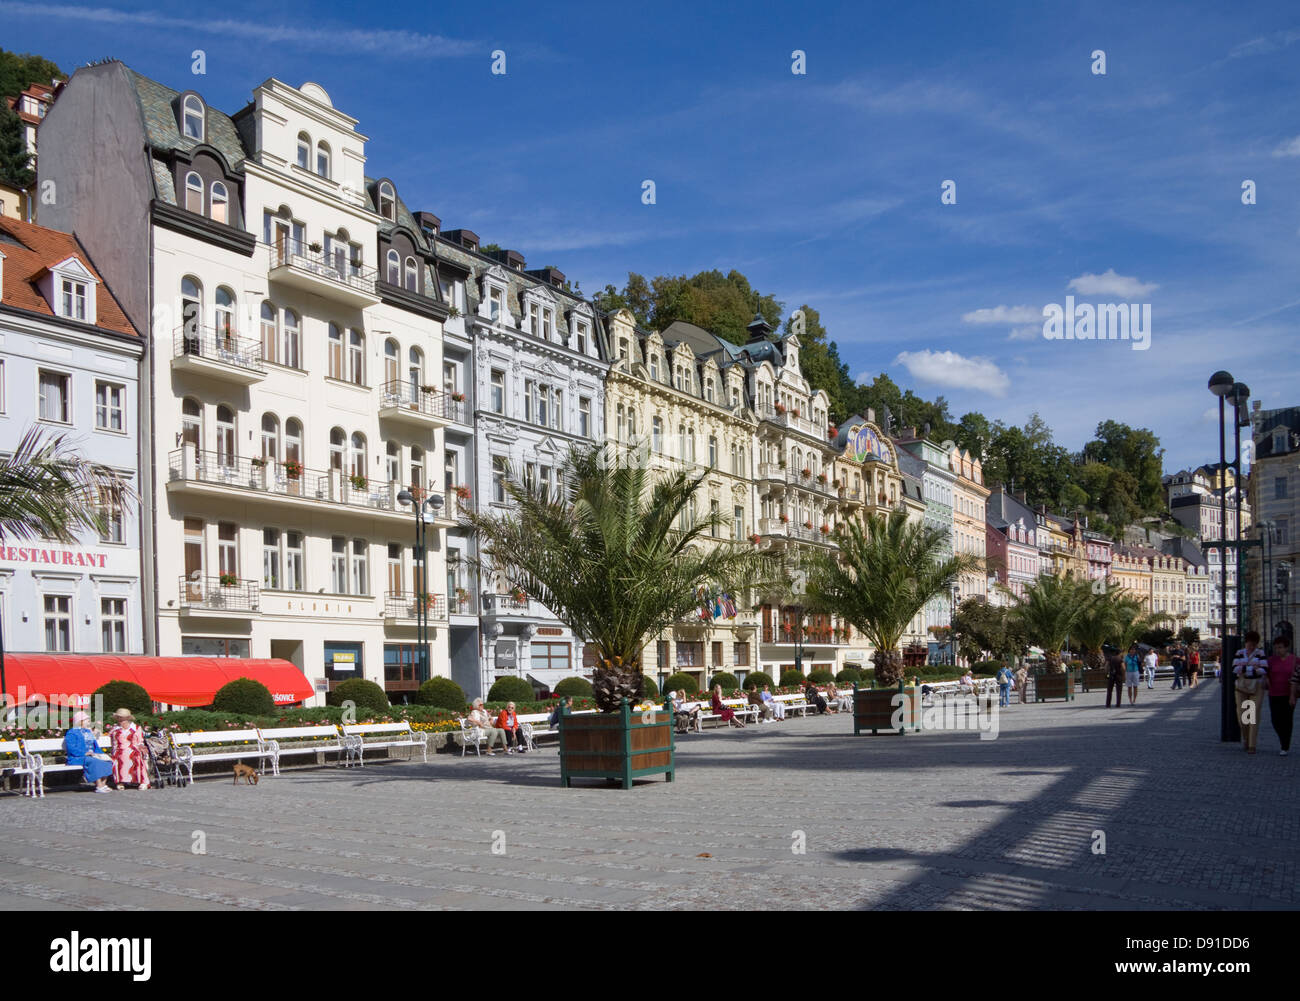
[654,367]
[394,268]
[534,312]
[1279,441]
[220,202]
[192,117]
[494,304]
[193,193]
[582,337]
[548,324]
[708,390]
[72,300]
[322,160]
[412,275]
[387,201]
[304,150]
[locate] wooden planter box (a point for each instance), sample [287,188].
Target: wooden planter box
[625,745]
[1093,678]
[875,709]
[1053,685]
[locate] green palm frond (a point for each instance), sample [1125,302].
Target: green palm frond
[48,490]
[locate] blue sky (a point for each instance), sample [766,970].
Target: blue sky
[825,187]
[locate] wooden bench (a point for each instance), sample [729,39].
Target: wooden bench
[321,739]
[385,735]
[216,745]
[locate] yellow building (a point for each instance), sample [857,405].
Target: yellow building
[969,497]
[678,400]
[1131,570]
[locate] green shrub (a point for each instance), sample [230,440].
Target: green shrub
[757,679]
[681,682]
[849,676]
[441,692]
[427,714]
[511,689]
[986,667]
[821,677]
[577,687]
[728,681]
[648,687]
[366,694]
[124,695]
[792,679]
[244,695]
[188,720]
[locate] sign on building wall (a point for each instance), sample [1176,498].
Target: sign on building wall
[508,654]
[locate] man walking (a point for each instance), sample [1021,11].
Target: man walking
[1115,679]
[1178,660]
[1149,667]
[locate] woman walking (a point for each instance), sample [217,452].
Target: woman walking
[1132,671]
[1193,665]
[130,759]
[1281,692]
[1250,668]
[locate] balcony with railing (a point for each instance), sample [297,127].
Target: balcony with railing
[287,483]
[218,353]
[817,482]
[506,604]
[422,406]
[773,527]
[334,275]
[803,533]
[404,607]
[771,475]
[850,497]
[787,418]
[223,597]
[462,602]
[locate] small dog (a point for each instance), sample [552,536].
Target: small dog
[245,772]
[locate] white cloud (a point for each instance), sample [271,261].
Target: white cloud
[1289,148]
[1111,284]
[947,368]
[1026,333]
[1004,314]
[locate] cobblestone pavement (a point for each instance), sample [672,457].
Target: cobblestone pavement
[927,821]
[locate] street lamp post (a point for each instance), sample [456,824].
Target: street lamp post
[1265,529]
[1222,385]
[424,514]
[952,624]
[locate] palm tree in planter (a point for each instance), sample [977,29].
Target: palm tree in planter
[1111,616]
[885,572]
[48,490]
[1048,611]
[617,558]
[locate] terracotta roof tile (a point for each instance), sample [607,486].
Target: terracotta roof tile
[29,250]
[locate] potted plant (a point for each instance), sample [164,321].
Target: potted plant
[292,469]
[462,596]
[821,477]
[779,408]
[257,463]
[519,594]
[837,484]
[428,389]
[358,481]
[785,519]
[228,580]
[314,248]
[756,538]
[453,312]
[458,397]
[826,529]
[859,586]
[805,472]
[625,573]
[796,411]
[462,492]
[807,523]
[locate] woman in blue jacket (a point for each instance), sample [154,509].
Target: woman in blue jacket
[82,748]
[1132,669]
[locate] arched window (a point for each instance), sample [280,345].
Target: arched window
[417,467]
[192,113]
[357,358]
[191,305]
[192,423]
[323,159]
[394,267]
[220,203]
[225,436]
[268,331]
[293,440]
[335,352]
[193,193]
[622,424]
[357,464]
[415,369]
[270,437]
[338,444]
[387,202]
[394,466]
[713,451]
[304,150]
[390,361]
[292,339]
[225,313]
[412,275]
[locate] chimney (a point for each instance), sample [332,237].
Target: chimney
[871,415]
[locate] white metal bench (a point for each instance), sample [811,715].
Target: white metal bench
[384,735]
[471,736]
[217,745]
[20,765]
[740,707]
[36,751]
[279,741]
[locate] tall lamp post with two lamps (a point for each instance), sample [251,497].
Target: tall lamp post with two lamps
[425,513]
[1228,390]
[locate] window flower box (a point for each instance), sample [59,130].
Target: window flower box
[462,492]
[293,470]
[358,482]
[458,397]
[805,473]
[228,580]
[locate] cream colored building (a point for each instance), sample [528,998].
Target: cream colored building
[968,533]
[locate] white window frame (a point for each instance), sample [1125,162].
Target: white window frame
[114,619]
[68,410]
[107,409]
[200,114]
[71,617]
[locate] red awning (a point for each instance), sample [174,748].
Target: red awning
[68,679]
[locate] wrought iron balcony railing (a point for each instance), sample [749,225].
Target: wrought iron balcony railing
[218,344]
[223,593]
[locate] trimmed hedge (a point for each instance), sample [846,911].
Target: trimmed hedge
[124,695]
[757,679]
[441,692]
[366,694]
[511,689]
[791,679]
[648,687]
[577,687]
[244,695]
[681,682]
[726,679]
[821,677]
